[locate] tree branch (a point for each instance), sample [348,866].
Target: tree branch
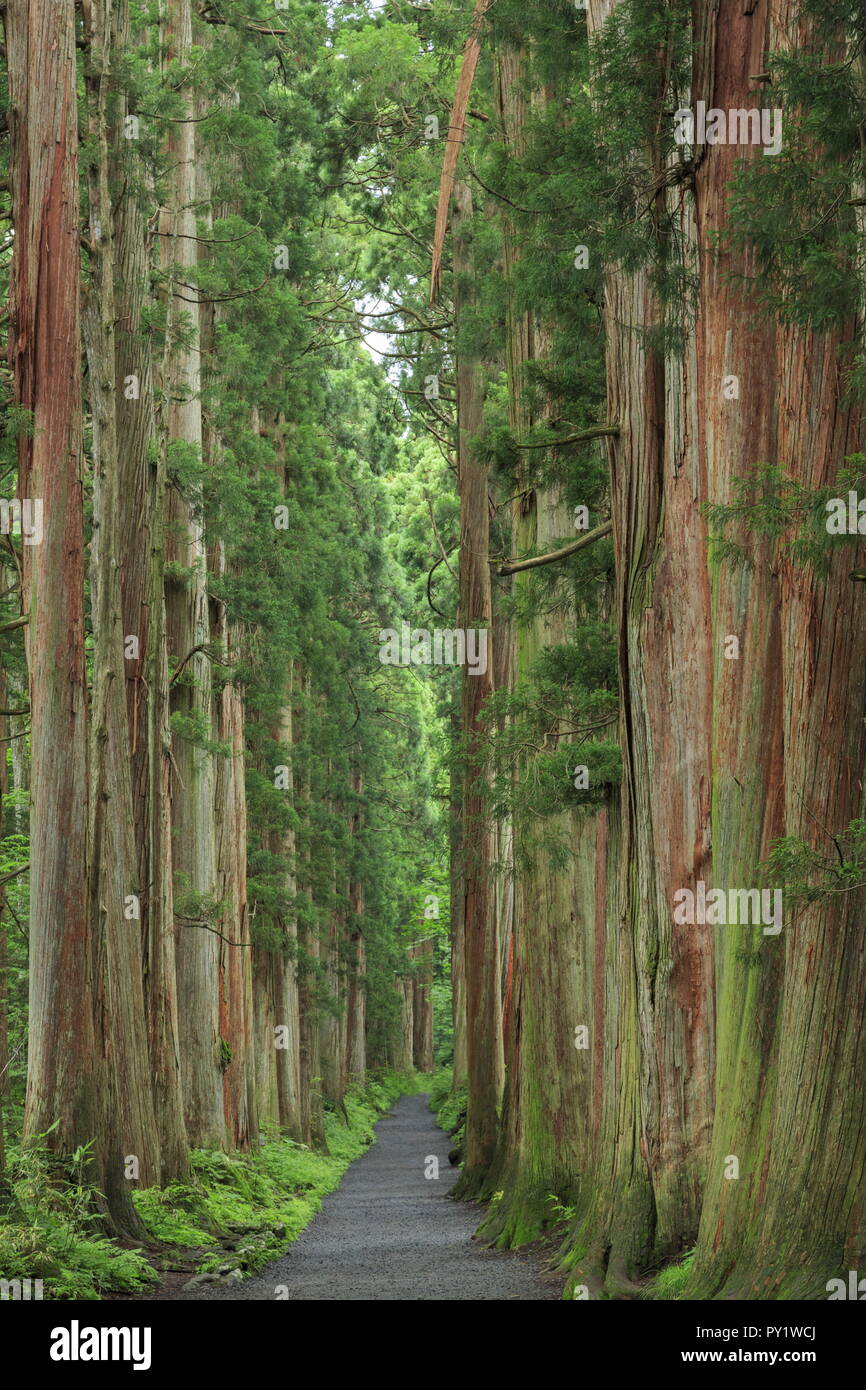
[16,873]
[594,433]
[443,552]
[512,566]
[15,622]
[202,647]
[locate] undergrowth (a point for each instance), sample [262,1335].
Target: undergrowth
[449,1106]
[254,1203]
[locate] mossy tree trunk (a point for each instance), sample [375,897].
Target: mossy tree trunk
[654,1128]
[458,906]
[356,999]
[284,959]
[114,888]
[788,755]
[309,948]
[545,1109]
[422,1005]
[4,942]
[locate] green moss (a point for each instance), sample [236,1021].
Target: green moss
[447,1104]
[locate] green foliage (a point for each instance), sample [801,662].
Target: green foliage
[794,211]
[195,729]
[560,1213]
[49,1231]
[808,874]
[49,1227]
[771,504]
[193,909]
[554,723]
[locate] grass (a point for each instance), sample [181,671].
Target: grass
[670,1282]
[238,1209]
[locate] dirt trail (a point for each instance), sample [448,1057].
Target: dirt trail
[390,1234]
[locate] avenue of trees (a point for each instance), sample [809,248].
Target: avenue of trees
[540,323]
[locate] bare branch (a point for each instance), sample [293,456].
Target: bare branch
[513,566]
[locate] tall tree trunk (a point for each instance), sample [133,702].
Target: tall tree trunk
[458,906]
[401,1056]
[114,888]
[70,1079]
[422,1005]
[188,637]
[332,1021]
[235,963]
[785,1105]
[312,1115]
[142,494]
[284,962]
[227,718]
[356,1001]
[4,943]
[658,1002]
[267,1017]
[481,944]
[356,1009]
[561,908]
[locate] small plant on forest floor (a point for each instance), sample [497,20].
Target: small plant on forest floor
[560,1212]
[670,1282]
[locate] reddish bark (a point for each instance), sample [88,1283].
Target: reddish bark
[75,1072]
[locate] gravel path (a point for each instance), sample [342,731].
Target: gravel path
[390,1234]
